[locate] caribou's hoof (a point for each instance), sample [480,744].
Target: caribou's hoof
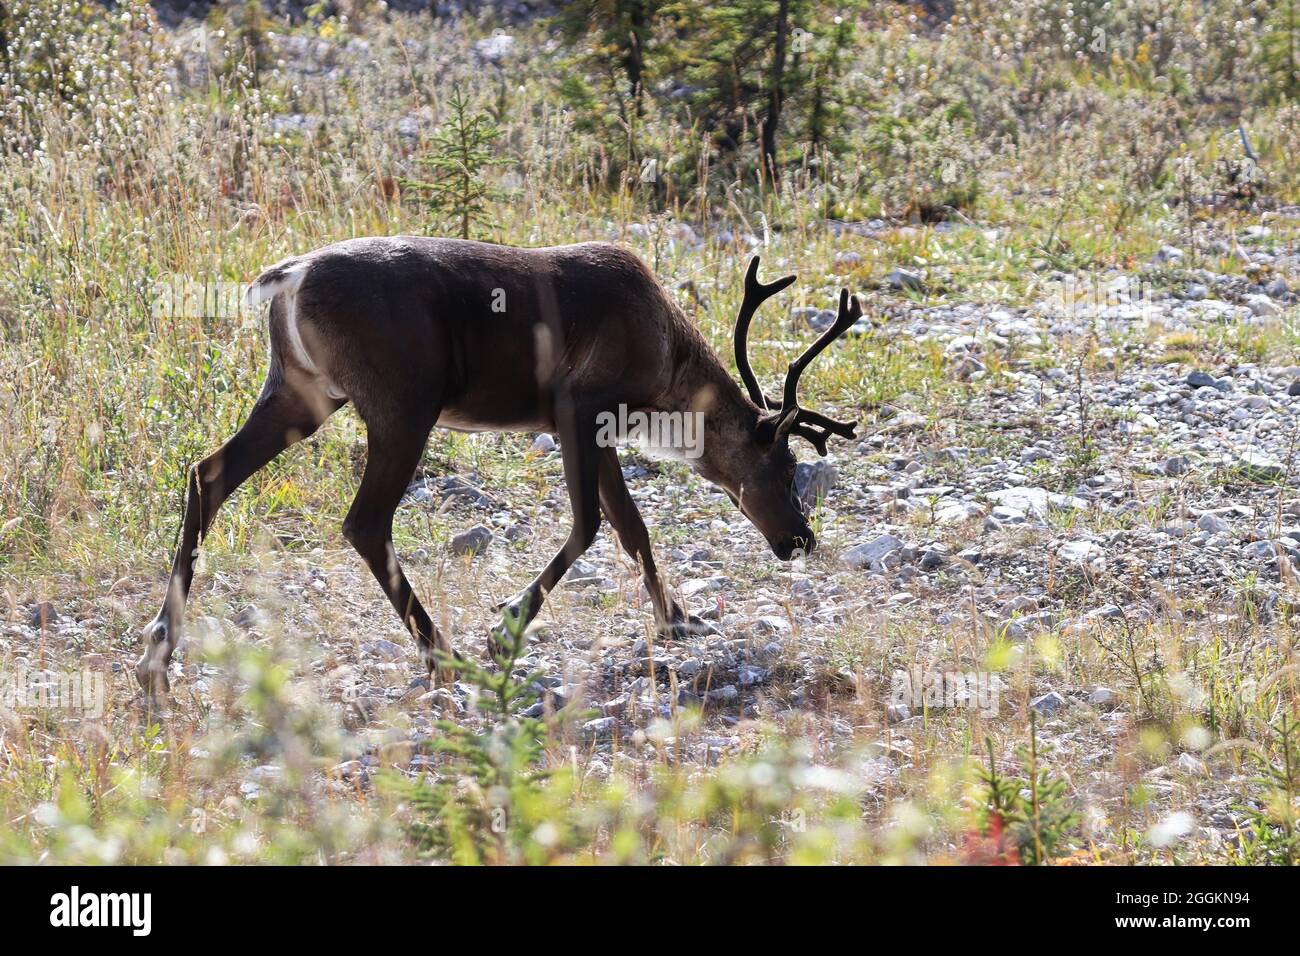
[153,679]
[498,643]
[686,626]
[437,666]
[151,668]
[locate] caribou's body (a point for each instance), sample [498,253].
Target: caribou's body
[419,332]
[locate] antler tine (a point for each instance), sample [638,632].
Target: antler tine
[756,293]
[817,438]
[828,425]
[849,313]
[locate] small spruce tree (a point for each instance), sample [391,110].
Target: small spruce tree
[457,190]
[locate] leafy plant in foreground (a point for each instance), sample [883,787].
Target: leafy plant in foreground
[1027,818]
[1273,832]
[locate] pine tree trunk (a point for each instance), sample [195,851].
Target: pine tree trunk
[634,62]
[774,95]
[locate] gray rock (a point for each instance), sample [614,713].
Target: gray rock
[251,617]
[813,481]
[600,728]
[1081,552]
[1048,704]
[1199,379]
[1102,697]
[472,541]
[1213,524]
[1259,467]
[42,615]
[905,279]
[872,554]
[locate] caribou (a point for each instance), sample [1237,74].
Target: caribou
[423,332]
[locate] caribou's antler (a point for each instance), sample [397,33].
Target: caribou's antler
[756,293]
[791,419]
[810,425]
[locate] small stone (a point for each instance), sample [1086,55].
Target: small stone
[905,279]
[1048,704]
[1199,379]
[42,615]
[600,728]
[1102,697]
[250,617]
[813,482]
[1213,524]
[472,541]
[1081,552]
[872,554]
[1259,467]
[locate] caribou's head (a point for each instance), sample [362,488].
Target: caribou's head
[758,468]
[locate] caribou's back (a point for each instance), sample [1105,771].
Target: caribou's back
[490,330]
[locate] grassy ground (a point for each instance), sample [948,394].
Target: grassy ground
[297,734]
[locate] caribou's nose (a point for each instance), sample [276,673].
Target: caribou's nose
[794,545]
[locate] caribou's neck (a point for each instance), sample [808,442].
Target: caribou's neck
[703,386]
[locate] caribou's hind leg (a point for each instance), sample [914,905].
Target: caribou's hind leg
[291,407]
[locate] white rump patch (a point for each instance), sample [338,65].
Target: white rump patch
[284,280]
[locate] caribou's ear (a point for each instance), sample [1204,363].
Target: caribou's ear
[765,430]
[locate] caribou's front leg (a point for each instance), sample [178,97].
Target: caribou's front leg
[577,427]
[621,510]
